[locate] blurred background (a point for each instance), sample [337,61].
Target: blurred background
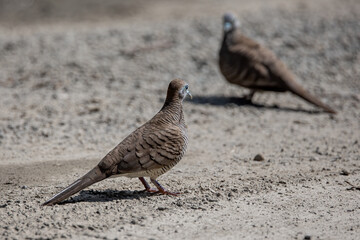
[76,77]
[66,63]
[27,12]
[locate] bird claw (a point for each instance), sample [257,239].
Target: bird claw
[156,191]
[159,190]
[150,190]
[249,97]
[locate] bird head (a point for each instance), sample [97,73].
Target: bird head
[230,22]
[178,89]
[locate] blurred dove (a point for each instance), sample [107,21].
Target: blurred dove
[246,63]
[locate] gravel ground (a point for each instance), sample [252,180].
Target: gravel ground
[72,88]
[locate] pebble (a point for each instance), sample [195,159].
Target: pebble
[259,158]
[344,172]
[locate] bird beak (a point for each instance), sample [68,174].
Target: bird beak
[188,93]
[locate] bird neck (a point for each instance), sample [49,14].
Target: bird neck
[229,37]
[173,111]
[224,45]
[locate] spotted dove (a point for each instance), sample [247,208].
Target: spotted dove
[149,151]
[246,63]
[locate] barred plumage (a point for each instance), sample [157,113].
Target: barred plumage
[244,62]
[150,151]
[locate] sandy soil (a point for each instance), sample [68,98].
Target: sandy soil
[74,83]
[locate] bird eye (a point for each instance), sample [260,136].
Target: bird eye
[186,87]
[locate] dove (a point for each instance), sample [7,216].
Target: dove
[246,63]
[150,151]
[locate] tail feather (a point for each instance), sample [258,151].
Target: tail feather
[301,92]
[95,175]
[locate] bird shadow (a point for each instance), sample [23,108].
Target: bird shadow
[242,101]
[107,195]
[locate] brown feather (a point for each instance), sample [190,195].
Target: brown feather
[94,176]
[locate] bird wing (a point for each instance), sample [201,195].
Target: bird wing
[261,63]
[163,147]
[251,49]
[149,147]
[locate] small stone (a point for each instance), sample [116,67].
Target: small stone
[161,208]
[307,237]
[259,158]
[344,172]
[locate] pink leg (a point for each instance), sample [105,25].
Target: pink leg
[147,186]
[161,189]
[250,96]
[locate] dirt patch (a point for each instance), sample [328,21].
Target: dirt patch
[72,89]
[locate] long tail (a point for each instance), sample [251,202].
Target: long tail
[297,89]
[95,175]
